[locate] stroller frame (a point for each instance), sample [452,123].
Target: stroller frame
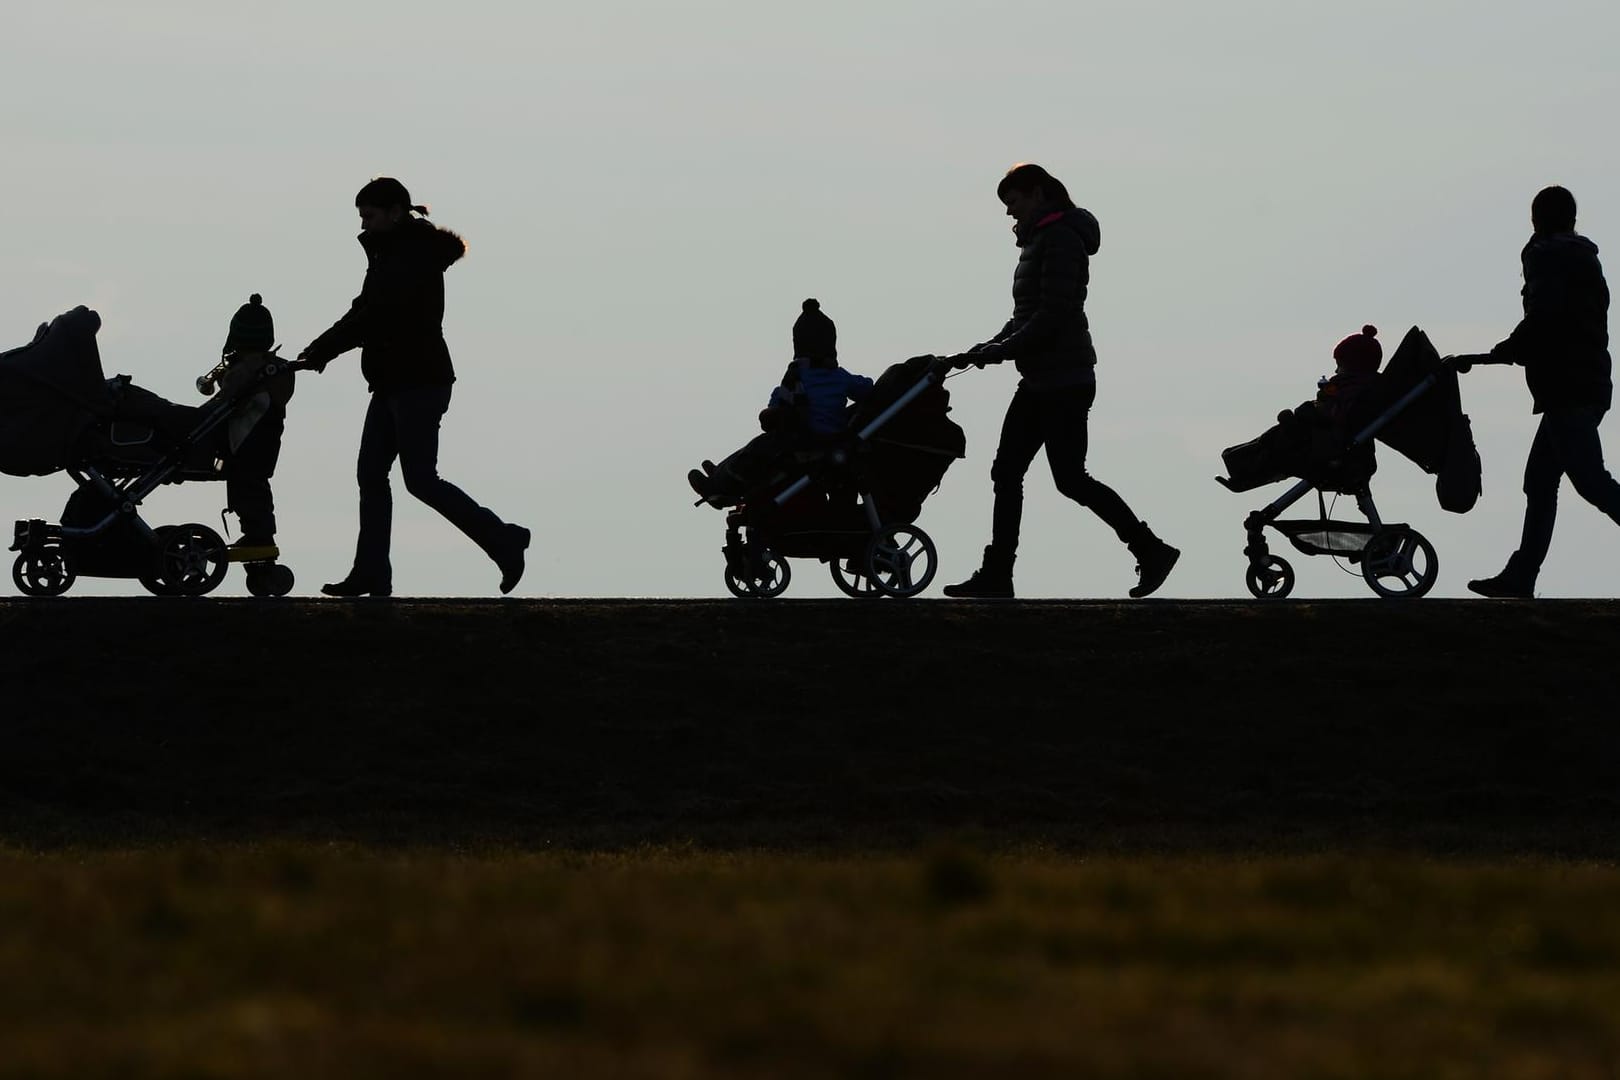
[896,560]
[169,560]
[1396,560]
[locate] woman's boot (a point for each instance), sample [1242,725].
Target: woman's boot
[991,581]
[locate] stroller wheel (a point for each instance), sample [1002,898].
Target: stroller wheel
[766,576]
[269,579]
[852,580]
[43,571]
[191,559]
[901,560]
[1399,563]
[1272,581]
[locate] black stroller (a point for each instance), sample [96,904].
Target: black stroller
[1414,407]
[853,502]
[118,443]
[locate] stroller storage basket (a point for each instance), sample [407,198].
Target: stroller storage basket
[1320,536]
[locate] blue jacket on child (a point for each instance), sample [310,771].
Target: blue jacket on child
[820,393]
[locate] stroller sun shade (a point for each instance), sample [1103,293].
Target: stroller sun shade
[51,390]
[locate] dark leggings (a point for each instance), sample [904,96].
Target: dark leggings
[1056,419]
[1566,444]
[404,424]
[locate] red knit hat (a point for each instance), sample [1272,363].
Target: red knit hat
[1360,352]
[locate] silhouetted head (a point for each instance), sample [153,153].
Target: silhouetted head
[814,336]
[1553,210]
[1359,354]
[384,203]
[1028,191]
[252,328]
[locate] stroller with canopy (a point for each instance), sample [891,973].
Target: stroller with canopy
[118,443]
[852,503]
[1414,407]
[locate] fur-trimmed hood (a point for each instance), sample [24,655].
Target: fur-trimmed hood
[439,246]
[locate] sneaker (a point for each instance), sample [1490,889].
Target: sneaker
[1504,586]
[1153,565]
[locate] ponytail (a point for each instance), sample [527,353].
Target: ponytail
[385,193]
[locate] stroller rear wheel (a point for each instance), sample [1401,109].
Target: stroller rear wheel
[1272,580]
[43,571]
[1399,564]
[852,580]
[901,560]
[191,559]
[765,577]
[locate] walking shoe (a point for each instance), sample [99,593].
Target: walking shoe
[511,563]
[252,549]
[355,586]
[1153,564]
[991,581]
[1504,586]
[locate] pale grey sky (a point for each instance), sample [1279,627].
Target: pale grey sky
[649,190]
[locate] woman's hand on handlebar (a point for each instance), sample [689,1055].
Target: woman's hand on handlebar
[303,362]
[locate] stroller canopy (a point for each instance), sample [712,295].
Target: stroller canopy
[1432,431]
[51,390]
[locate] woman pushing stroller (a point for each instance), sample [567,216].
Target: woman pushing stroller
[1049,340]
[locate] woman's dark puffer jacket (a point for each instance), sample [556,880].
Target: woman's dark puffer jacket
[1048,335]
[398,318]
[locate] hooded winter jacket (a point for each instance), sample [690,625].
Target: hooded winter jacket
[1048,336]
[397,321]
[1563,339]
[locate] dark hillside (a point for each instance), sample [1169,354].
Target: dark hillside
[1436,726]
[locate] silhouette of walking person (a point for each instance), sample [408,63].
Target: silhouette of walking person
[1049,340]
[1563,345]
[397,322]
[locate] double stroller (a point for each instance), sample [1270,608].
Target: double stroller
[852,501]
[1414,407]
[118,443]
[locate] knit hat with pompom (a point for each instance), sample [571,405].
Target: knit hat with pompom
[1360,352]
[814,335]
[252,328]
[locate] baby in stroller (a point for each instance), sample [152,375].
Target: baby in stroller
[1314,440]
[809,406]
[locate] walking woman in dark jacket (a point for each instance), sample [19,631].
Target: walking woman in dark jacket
[1049,339]
[397,322]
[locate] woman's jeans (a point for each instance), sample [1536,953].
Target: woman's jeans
[1054,418]
[404,424]
[1566,444]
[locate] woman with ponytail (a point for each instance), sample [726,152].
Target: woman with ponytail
[397,322]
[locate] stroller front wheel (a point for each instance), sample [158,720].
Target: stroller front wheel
[44,571]
[765,577]
[1272,580]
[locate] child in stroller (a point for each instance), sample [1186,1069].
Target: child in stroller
[806,409]
[119,442]
[1413,406]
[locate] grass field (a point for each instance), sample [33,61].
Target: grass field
[297,960]
[645,840]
